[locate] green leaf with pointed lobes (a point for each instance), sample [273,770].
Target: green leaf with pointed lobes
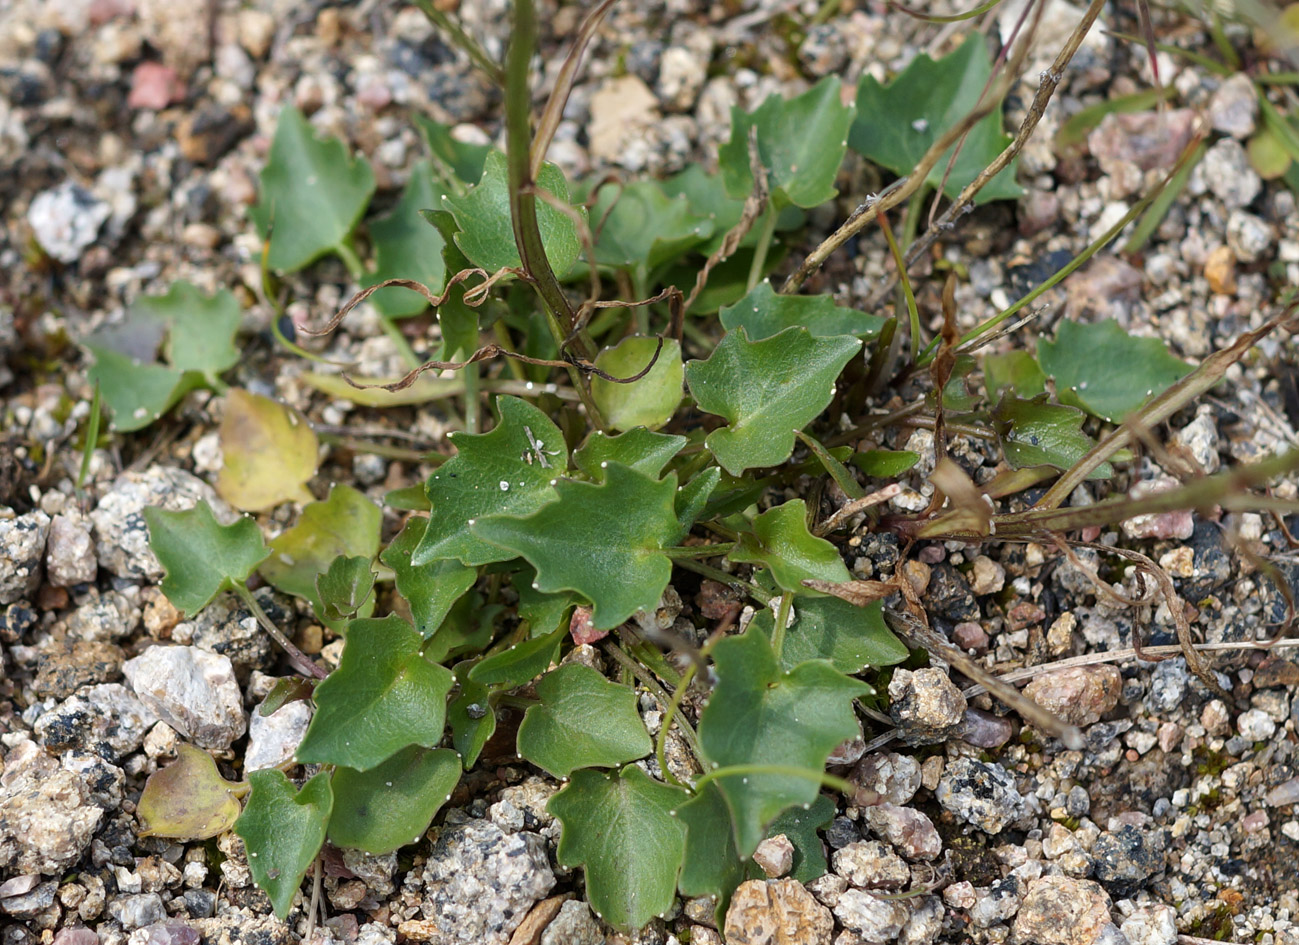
[384,696]
[508,471]
[766,390]
[605,541]
[200,556]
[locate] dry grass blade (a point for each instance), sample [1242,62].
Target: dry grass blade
[754,205]
[862,593]
[478,292]
[1175,608]
[857,506]
[1210,371]
[869,210]
[554,110]
[1050,80]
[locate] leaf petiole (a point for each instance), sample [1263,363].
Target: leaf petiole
[296,656]
[789,771]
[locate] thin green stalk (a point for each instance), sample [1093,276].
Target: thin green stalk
[904,281]
[459,37]
[644,677]
[399,342]
[788,771]
[782,621]
[674,704]
[682,553]
[296,656]
[472,376]
[92,439]
[523,199]
[730,580]
[764,244]
[347,252]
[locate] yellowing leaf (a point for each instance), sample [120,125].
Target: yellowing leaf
[270,452]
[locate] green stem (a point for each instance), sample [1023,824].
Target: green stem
[674,704]
[399,342]
[787,771]
[459,37]
[347,253]
[698,551]
[764,244]
[782,622]
[296,656]
[471,377]
[651,684]
[730,580]
[523,201]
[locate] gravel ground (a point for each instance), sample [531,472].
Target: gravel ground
[131,136]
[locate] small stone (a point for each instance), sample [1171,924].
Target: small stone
[827,888]
[154,86]
[776,912]
[22,545]
[1225,172]
[1254,725]
[1178,524]
[775,856]
[888,776]
[948,595]
[870,864]
[926,705]
[622,111]
[255,29]
[841,832]
[272,739]
[106,719]
[1079,695]
[988,577]
[960,895]
[1149,139]
[480,883]
[979,793]
[209,131]
[70,552]
[925,924]
[984,729]
[1059,636]
[1168,684]
[192,690]
[121,533]
[30,903]
[908,830]
[970,636]
[76,936]
[67,665]
[1153,924]
[574,925]
[996,904]
[1059,910]
[134,912]
[1249,236]
[46,817]
[1126,857]
[1276,672]
[876,921]
[66,219]
[103,618]
[1233,107]
[1220,270]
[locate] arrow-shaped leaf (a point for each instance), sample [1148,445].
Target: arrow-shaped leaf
[766,390]
[583,721]
[283,829]
[384,696]
[781,541]
[619,826]
[604,541]
[201,557]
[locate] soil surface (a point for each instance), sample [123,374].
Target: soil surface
[132,133]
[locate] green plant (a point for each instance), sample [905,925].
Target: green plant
[584,501]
